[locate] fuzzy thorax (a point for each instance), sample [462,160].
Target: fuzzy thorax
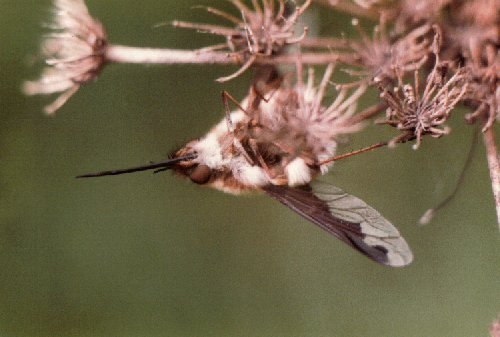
[277,140]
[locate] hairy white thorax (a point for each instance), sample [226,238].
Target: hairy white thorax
[291,124]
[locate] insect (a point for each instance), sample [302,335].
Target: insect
[277,145]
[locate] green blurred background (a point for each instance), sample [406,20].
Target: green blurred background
[153,255]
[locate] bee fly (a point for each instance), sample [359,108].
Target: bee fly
[278,145]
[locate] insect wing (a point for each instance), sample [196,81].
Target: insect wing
[348,218]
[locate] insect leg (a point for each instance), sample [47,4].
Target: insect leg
[236,142]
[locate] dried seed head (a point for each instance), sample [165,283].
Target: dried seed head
[381,57]
[477,49]
[467,39]
[74,52]
[471,37]
[418,114]
[263,30]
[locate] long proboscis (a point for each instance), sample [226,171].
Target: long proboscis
[165,165]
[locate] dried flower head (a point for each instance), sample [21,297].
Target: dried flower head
[261,31]
[380,56]
[296,119]
[484,96]
[74,52]
[417,115]
[473,38]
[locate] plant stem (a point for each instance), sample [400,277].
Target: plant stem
[492,156]
[125,54]
[351,8]
[367,113]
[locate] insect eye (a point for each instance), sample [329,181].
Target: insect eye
[200,175]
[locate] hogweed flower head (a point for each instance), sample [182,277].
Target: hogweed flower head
[74,52]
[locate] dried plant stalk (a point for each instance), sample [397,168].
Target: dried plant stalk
[493,157]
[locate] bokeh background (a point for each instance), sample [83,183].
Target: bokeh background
[153,255]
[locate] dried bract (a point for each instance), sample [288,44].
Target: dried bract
[74,52]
